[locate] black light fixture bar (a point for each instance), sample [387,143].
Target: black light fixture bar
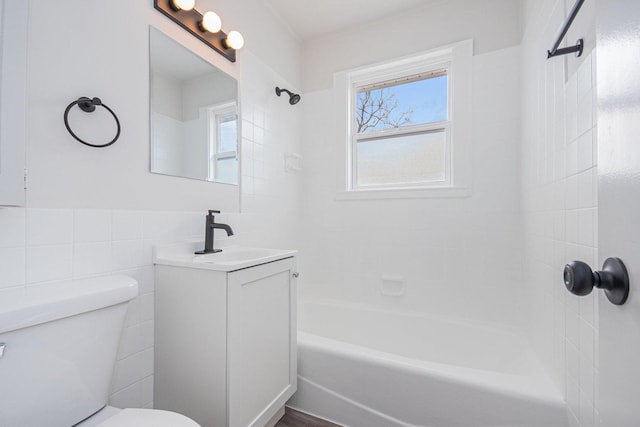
[190,21]
[577,49]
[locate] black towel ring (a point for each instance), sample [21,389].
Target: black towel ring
[88,105]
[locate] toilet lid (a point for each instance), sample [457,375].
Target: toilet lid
[132,417]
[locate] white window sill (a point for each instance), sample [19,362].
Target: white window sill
[405,193]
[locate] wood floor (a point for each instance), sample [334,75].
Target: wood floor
[293,418]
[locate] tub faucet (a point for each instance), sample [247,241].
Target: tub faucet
[209,227]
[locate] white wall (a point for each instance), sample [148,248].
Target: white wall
[79,51]
[458,256]
[492,24]
[559,200]
[93,212]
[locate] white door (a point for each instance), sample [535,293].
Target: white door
[618,80]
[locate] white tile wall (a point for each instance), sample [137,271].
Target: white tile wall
[560,207]
[271,195]
[47,245]
[459,257]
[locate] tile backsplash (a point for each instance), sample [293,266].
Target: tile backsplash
[39,246]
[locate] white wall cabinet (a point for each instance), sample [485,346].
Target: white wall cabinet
[225,342]
[13,83]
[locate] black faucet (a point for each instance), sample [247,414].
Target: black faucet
[210,226]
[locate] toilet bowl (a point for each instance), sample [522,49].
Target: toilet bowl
[114,417]
[58,347]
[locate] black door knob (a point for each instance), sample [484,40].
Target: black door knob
[613,279]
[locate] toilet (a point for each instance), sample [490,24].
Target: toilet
[58,347]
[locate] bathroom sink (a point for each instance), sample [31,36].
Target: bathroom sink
[239,255]
[230,259]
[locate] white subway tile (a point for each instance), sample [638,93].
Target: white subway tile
[127,254]
[571,94]
[572,158]
[146,306]
[135,339]
[587,342]
[48,263]
[259,135]
[144,277]
[572,195]
[573,326]
[585,227]
[49,226]
[572,419]
[12,266]
[259,115]
[572,226]
[587,414]
[132,369]
[128,397]
[91,226]
[586,189]
[167,226]
[91,258]
[573,397]
[585,115]
[594,68]
[247,130]
[146,391]
[127,225]
[198,220]
[147,251]
[585,151]
[587,309]
[133,313]
[584,79]
[587,380]
[12,227]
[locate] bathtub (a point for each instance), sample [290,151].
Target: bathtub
[362,367]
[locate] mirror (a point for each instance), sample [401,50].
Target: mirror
[194,114]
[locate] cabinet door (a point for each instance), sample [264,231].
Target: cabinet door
[261,342]
[13,77]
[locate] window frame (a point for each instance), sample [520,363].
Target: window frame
[437,69]
[457,60]
[215,114]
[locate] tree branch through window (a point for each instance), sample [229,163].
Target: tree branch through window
[376,110]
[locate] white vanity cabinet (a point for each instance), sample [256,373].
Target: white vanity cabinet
[225,342]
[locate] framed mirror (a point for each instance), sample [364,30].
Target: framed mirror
[194,114]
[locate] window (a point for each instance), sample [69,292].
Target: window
[402,131]
[223,143]
[409,125]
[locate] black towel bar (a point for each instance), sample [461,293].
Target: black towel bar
[579,44]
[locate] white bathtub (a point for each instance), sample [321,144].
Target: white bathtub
[361,367]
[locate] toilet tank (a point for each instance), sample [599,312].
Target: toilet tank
[58,345]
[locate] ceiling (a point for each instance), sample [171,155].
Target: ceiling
[313,18]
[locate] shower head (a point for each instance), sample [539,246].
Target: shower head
[294,98]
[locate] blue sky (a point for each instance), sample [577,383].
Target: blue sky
[427,98]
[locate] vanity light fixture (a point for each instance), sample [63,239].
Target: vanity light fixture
[211,22]
[207,28]
[183,4]
[234,40]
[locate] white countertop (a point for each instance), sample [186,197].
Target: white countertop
[230,259]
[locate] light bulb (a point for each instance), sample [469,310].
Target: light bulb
[234,40]
[183,4]
[211,22]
